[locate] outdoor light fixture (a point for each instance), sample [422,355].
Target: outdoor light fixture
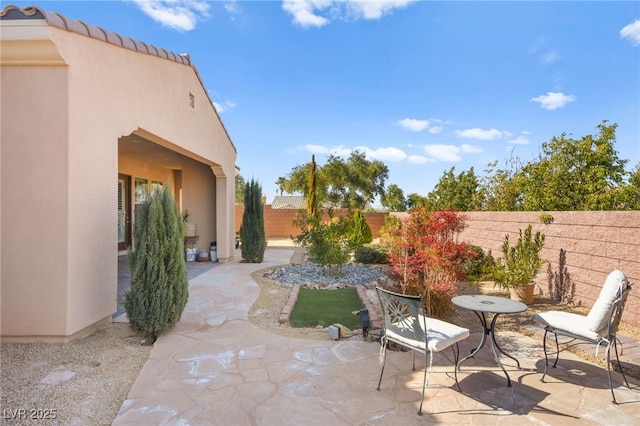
[365,322]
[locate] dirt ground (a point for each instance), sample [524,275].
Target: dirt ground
[83,382]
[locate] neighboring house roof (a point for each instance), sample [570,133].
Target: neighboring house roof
[289,202]
[54,19]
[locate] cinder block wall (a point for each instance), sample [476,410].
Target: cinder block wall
[595,242]
[278,223]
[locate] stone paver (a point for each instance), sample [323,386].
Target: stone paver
[216,368]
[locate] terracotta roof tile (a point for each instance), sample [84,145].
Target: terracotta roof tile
[54,19]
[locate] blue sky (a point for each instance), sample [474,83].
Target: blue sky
[422,86]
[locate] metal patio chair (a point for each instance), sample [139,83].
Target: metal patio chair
[598,327]
[406,324]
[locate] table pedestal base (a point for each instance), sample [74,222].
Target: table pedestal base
[488,330]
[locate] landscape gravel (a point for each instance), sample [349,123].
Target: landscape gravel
[311,275]
[82,382]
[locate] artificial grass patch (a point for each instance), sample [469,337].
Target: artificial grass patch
[326,307]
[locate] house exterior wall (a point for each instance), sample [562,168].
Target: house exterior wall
[34,198]
[62,115]
[198,194]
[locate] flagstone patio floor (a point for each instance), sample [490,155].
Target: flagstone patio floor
[216,368]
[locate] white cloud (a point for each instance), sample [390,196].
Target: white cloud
[482,134]
[539,47]
[384,154]
[179,15]
[554,100]
[317,13]
[435,130]
[389,154]
[231,6]
[419,159]
[223,106]
[470,149]
[303,14]
[413,124]
[375,9]
[443,152]
[520,140]
[549,57]
[632,32]
[339,150]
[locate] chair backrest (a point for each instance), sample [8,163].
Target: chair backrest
[401,314]
[613,289]
[618,309]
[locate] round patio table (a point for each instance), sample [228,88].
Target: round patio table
[482,305]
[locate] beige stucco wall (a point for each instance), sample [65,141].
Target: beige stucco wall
[199,185]
[60,129]
[34,200]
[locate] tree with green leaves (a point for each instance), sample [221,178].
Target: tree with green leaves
[254,242]
[630,193]
[458,193]
[351,183]
[159,286]
[416,201]
[393,199]
[498,189]
[574,174]
[240,183]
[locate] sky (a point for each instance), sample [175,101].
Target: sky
[422,86]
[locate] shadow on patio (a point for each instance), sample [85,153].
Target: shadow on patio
[124,278]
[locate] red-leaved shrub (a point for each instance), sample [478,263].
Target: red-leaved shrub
[426,257]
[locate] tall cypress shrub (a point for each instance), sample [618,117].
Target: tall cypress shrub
[159,286]
[252,234]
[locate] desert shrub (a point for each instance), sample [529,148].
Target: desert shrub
[159,286]
[327,242]
[359,230]
[561,288]
[371,254]
[521,262]
[478,267]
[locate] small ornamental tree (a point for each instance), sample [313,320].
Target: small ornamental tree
[312,203]
[159,286]
[326,240]
[359,230]
[252,233]
[427,259]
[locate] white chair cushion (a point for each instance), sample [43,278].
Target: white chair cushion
[598,317]
[567,321]
[440,335]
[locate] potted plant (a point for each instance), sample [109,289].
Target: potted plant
[520,264]
[190,227]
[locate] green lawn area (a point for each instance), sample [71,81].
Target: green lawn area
[326,307]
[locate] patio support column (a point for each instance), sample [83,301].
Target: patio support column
[225,214]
